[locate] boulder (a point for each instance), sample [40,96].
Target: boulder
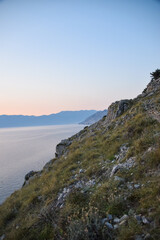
[137,186]
[61,148]
[109,225]
[2,237]
[129,163]
[110,217]
[138,218]
[115,169]
[116,220]
[144,220]
[29,175]
[124,217]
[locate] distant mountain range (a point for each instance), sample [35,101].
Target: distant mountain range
[64,117]
[95,117]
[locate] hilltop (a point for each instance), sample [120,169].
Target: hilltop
[104,182]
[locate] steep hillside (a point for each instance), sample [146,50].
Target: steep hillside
[104,182]
[94,118]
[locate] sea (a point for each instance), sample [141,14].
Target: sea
[28,148]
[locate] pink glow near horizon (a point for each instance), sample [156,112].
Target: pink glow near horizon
[75,55]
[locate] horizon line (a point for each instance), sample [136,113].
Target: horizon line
[50,113]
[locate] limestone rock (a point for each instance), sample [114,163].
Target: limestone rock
[122,152]
[153,86]
[109,225]
[116,109]
[124,217]
[138,218]
[116,220]
[109,217]
[119,179]
[30,175]
[123,106]
[104,220]
[147,236]
[61,148]
[126,165]
[137,186]
[144,220]
[2,237]
[81,171]
[48,165]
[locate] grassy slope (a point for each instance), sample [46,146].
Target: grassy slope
[31,212]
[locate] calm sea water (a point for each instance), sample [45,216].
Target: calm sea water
[25,149]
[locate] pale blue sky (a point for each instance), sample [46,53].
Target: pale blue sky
[70,55]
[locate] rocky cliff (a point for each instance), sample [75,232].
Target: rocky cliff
[104,182]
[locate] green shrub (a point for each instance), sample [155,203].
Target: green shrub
[156,74]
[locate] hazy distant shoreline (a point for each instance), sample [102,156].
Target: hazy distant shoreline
[61,118]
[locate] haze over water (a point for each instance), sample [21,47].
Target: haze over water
[25,149]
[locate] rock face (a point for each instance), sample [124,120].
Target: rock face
[116,109]
[61,148]
[30,175]
[153,86]
[122,107]
[149,106]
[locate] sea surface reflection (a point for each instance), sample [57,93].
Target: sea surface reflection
[25,149]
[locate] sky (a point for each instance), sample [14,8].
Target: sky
[58,55]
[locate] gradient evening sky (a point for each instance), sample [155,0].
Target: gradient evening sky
[69,55]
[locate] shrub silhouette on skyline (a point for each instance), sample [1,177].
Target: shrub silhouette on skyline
[156,74]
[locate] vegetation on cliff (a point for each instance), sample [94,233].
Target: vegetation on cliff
[104,182]
[156,74]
